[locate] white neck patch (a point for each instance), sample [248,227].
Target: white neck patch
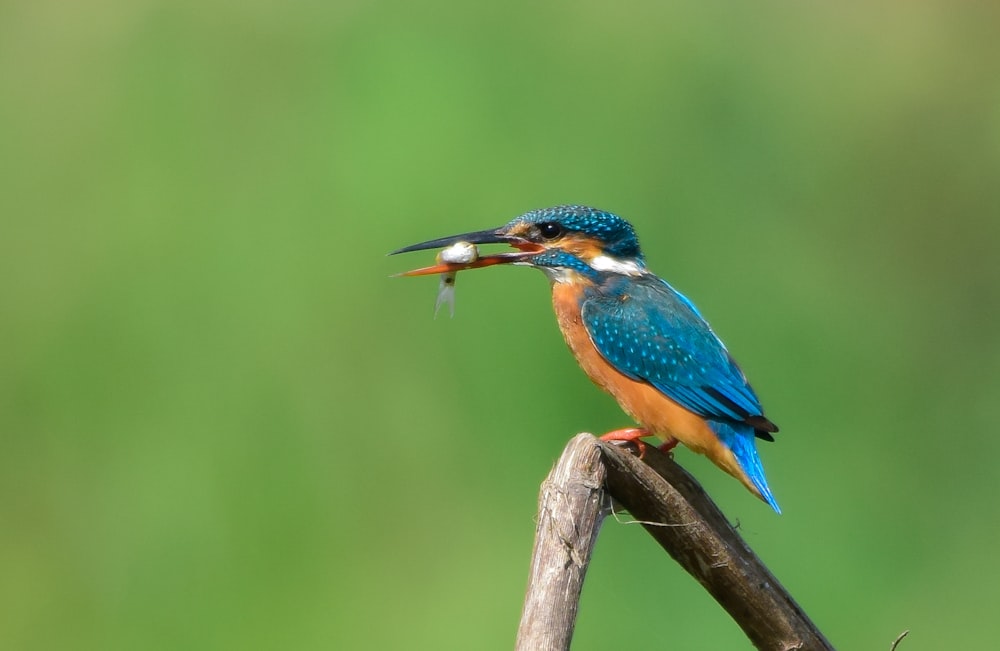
[614,265]
[560,275]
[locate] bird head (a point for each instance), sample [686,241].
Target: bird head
[566,242]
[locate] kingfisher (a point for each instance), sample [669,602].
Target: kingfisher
[635,336]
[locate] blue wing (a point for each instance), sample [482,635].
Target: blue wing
[653,333]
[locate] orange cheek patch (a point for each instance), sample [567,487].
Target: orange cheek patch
[581,246]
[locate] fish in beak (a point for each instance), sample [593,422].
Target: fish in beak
[458,262]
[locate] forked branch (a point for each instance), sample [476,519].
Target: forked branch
[678,513]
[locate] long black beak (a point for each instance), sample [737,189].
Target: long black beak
[491,236]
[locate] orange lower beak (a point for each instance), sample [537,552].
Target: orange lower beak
[485,261]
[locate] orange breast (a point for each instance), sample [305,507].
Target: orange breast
[643,402]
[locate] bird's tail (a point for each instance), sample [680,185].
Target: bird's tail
[740,440]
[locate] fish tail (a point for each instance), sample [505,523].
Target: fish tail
[446,294]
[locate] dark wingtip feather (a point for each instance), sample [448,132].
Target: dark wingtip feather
[761,423]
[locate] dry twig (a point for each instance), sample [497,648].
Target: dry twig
[657,492]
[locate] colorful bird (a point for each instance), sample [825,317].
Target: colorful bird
[637,337]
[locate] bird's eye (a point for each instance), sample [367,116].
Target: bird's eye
[550,230]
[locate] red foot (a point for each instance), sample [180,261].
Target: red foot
[631,435]
[668,446]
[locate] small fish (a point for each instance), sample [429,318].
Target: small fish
[458,253]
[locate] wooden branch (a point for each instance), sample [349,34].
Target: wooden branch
[571,507]
[678,513]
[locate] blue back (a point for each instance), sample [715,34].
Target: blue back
[657,335]
[653,333]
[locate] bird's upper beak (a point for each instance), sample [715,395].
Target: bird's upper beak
[493,236]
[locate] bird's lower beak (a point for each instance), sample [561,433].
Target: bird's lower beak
[526,250]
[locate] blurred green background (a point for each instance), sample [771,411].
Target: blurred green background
[222,425]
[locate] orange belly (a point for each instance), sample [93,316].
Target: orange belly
[643,402]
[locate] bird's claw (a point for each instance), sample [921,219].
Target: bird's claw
[631,435]
[667,447]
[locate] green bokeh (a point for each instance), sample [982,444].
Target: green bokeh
[223,426]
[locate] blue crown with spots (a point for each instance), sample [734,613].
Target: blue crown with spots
[616,235]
